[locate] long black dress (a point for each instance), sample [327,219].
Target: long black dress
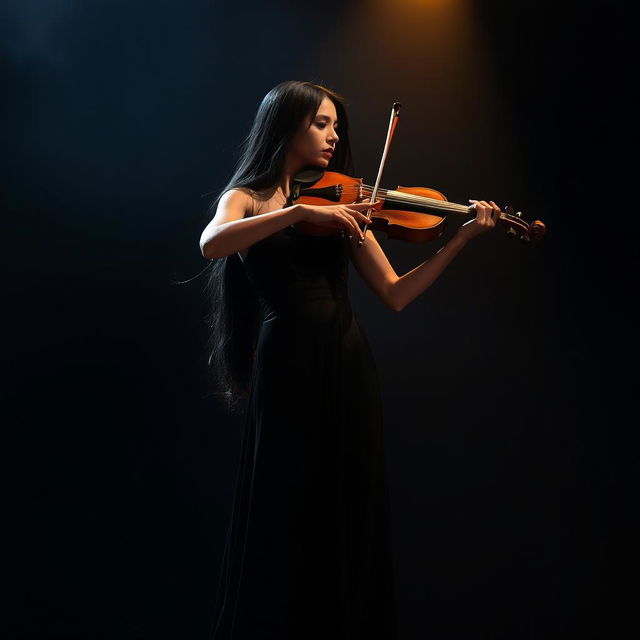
[308,551]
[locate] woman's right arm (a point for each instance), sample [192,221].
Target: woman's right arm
[231,230]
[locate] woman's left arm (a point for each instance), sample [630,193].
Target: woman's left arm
[398,291]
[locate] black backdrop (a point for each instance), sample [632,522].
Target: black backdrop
[507,385]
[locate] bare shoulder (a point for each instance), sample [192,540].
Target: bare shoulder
[244,196]
[254,202]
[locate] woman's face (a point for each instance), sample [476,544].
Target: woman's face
[308,145]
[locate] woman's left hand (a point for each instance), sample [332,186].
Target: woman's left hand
[486,217]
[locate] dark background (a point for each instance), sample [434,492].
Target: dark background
[509,406]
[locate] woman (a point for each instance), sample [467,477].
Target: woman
[308,551]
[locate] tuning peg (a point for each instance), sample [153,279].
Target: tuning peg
[511,231]
[525,238]
[509,209]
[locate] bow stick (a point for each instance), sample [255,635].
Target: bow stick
[392,127]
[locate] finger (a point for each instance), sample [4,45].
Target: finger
[357,226]
[495,213]
[486,212]
[348,225]
[480,212]
[361,217]
[359,214]
[352,221]
[353,225]
[367,204]
[342,222]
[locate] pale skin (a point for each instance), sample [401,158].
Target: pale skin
[244,218]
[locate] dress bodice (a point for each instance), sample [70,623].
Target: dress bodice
[299,276]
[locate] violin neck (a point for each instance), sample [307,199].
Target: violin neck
[420,204]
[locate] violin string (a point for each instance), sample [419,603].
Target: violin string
[433,202]
[408,198]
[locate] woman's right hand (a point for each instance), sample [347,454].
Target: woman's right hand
[339,215]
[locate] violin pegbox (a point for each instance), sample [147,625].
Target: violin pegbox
[509,211]
[520,228]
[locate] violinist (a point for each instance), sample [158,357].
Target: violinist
[308,550]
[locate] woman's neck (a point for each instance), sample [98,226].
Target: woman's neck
[292,166]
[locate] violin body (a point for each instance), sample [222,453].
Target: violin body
[337,188]
[412,214]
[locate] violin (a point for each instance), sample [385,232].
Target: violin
[413,214]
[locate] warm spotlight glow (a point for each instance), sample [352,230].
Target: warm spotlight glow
[432,57]
[431,4]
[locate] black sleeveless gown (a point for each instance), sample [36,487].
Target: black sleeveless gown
[308,552]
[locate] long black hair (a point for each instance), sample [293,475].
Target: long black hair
[234,318]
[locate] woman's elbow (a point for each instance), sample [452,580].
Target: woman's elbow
[391,300]
[206,249]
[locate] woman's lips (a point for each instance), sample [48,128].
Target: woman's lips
[329,153]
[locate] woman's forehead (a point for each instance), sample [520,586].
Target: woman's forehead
[327,109]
